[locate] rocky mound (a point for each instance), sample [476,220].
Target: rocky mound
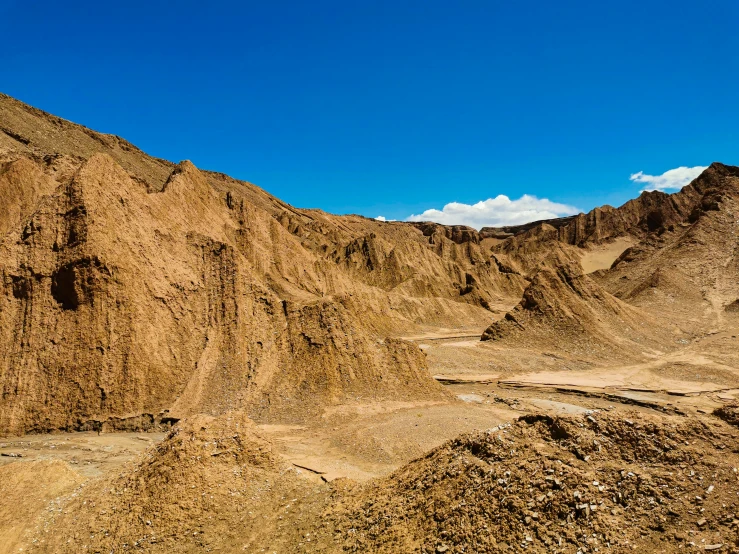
[543,484]
[729,413]
[196,490]
[564,308]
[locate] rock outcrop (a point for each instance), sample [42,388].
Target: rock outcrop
[134,292]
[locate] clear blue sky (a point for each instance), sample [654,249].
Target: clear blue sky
[393,107]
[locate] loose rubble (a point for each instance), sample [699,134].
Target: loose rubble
[576,484]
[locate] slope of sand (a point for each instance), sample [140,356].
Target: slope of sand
[602,256]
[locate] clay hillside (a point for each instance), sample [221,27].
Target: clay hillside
[136,290]
[189,364]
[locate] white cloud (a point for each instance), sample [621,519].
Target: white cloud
[381,218]
[496,212]
[672,179]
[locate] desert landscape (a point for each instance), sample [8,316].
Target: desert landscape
[189,364]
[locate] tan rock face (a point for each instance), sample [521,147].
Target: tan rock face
[119,303]
[135,292]
[650,212]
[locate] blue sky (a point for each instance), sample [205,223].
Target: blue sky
[394,108]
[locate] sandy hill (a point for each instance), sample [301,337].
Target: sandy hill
[198,490]
[565,310]
[542,484]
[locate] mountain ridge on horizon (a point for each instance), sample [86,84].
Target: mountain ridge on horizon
[155,178]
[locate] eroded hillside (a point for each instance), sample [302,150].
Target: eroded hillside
[135,291]
[189,364]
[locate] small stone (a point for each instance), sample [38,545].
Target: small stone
[701,522]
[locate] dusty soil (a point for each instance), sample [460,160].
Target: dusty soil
[602,256]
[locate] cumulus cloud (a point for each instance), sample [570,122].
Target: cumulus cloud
[672,179]
[381,218]
[496,212]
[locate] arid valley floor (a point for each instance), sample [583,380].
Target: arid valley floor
[188,364]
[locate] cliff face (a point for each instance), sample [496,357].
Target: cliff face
[688,270]
[679,278]
[134,291]
[126,308]
[650,212]
[456,233]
